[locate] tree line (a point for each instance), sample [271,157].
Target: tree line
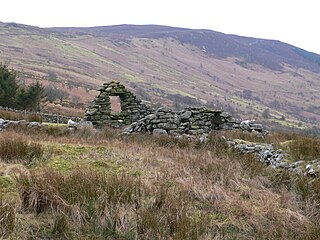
[15,96]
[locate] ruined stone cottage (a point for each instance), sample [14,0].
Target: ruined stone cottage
[114,106]
[190,121]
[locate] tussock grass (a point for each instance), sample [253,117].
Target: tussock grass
[60,226]
[7,217]
[305,148]
[14,148]
[169,215]
[163,188]
[112,206]
[15,116]
[55,131]
[88,200]
[33,117]
[7,115]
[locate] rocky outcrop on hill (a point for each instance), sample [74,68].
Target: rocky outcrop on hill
[101,114]
[190,121]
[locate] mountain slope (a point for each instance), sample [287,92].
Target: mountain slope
[171,66]
[269,53]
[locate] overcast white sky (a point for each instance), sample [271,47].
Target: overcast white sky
[295,22]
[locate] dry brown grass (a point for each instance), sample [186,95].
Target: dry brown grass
[166,188]
[33,117]
[8,115]
[15,116]
[7,217]
[305,148]
[16,148]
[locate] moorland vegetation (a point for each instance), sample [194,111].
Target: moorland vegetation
[90,184]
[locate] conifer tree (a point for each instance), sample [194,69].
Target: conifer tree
[8,86]
[14,96]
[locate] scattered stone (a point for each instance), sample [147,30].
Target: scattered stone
[310,170]
[203,138]
[84,124]
[251,126]
[79,125]
[72,124]
[35,124]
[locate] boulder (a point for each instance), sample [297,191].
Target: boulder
[159,131]
[34,124]
[84,124]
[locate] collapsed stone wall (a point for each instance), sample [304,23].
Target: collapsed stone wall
[72,125]
[275,158]
[8,123]
[190,121]
[100,113]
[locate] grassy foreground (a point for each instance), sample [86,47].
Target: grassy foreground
[56,184]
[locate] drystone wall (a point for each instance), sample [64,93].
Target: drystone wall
[8,123]
[46,117]
[55,118]
[275,158]
[72,125]
[101,114]
[190,121]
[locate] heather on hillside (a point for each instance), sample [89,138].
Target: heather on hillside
[248,77]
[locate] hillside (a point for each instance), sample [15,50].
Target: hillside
[171,66]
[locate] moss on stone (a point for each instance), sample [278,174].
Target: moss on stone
[195,127]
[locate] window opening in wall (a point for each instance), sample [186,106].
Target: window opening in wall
[115,104]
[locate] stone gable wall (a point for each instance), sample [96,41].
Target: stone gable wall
[100,112]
